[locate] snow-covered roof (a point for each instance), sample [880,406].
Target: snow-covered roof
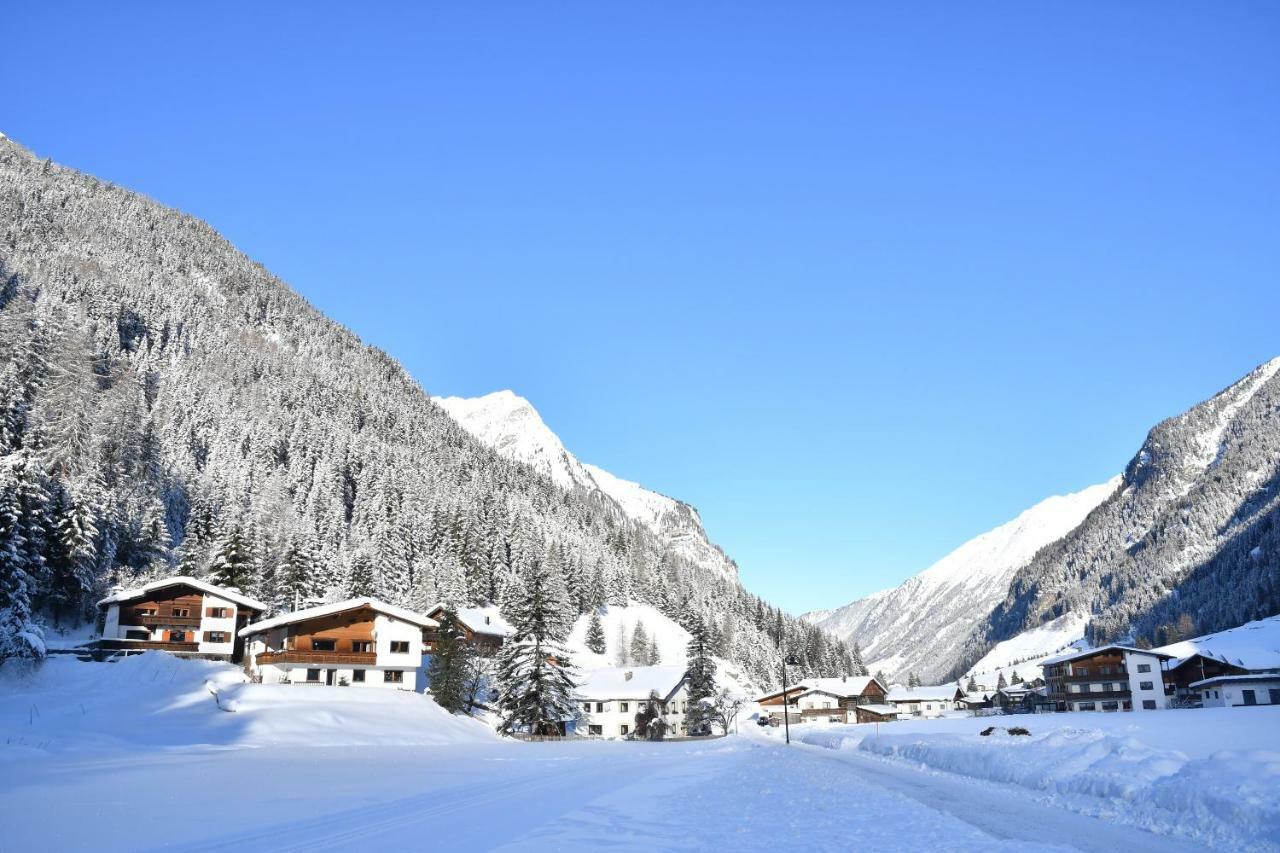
[339,607]
[1253,676]
[939,693]
[183,580]
[1254,645]
[844,687]
[1088,653]
[480,620]
[886,710]
[630,682]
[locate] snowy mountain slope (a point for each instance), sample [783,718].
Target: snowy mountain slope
[511,425]
[1192,534]
[917,627]
[1023,653]
[1255,645]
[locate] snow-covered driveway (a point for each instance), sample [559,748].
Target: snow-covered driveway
[741,793]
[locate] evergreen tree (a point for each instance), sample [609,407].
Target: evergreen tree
[621,652]
[450,666]
[639,651]
[360,583]
[857,667]
[972,686]
[233,561]
[880,676]
[1001,683]
[535,675]
[701,675]
[913,680]
[595,634]
[1015,678]
[650,724]
[21,636]
[654,656]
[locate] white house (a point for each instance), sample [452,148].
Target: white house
[183,615]
[838,700]
[360,642]
[1236,691]
[927,702]
[1108,678]
[611,698]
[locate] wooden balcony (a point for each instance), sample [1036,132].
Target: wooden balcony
[1094,677]
[1092,695]
[110,643]
[309,657]
[162,621]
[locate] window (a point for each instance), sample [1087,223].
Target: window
[219,612]
[1148,704]
[1087,706]
[1144,667]
[393,676]
[319,645]
[177,636]
[399,647]
[1145,685]
[622,707]
[215,637]
[599,707]
[623,728]
[147,611]
[182,611]
[1274,695]
[361,645]
[313,675]
[357,676]
[1250,698]
[1111,706]
[595,730]
[586,706]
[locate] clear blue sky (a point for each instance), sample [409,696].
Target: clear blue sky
[858,282]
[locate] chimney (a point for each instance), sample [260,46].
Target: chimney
[626,676]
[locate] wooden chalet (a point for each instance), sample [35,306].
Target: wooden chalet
[828,699]
[484,628]
[182,615]
[1108,678]
[358,642]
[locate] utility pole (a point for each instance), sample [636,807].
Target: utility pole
[786,713]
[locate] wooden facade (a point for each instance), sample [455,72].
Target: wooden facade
[181,615]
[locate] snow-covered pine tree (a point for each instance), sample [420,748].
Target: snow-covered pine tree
[535,675]
[913,680]
[360,582]
[701,674]
[638,654]
[450,664]
[650,724]
[972,686]
[654,655]
[1015,678]
[1001,683]
[595,634]
[856,666]
[21,635]
[233,561]
[622,649]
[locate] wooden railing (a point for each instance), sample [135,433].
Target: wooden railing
[161,620]
[299,656]
[148,644]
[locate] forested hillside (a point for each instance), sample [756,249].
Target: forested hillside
[169,406]
[1189,544]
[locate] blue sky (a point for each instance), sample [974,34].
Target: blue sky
[858,282]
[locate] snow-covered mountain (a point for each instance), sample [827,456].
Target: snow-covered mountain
[919,625]
[511,425]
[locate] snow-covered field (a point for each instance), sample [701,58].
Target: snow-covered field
[1211,774]
[142,755]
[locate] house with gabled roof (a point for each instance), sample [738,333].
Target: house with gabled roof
[484,627]
[927,702]
[612,696]
[182,615]
[1109,678]
[360,642]
[827,699]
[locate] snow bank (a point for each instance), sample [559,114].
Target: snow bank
[1119,765]
[157,700]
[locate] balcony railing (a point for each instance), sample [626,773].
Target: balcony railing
[1094,676]
[1091,695]
[160,621]
[300,656]
[148,644]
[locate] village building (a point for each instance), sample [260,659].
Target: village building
[484,628]
[837,700]
[611,698]
[182,615]
[774,703]
[927,702]
[361,642]
[1239,691]
[1109,678]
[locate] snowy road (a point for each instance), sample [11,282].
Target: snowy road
[744,793]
